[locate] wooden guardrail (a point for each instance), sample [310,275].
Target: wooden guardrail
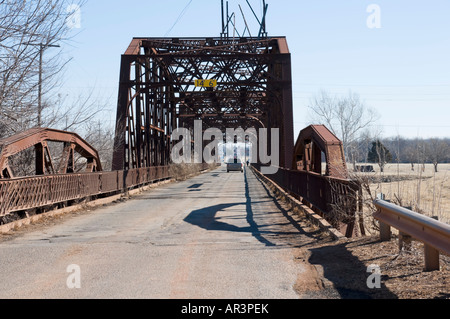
[434,234]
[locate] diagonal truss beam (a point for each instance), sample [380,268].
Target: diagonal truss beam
[157,93]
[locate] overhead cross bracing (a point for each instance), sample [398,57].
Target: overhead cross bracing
[157,93]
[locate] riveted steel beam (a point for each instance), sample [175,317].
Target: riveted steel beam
[39,139]
[157,93]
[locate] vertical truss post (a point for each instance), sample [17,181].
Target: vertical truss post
[121,147]
[40,166]
[288,118]
[157,93]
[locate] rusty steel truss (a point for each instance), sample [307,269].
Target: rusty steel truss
[157,93]
[169,83]
[39,139]
[52,185]
[314,141]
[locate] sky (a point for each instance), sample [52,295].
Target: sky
[397,58]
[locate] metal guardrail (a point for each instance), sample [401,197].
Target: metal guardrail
[434,234]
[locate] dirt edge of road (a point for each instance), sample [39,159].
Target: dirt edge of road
[344,268]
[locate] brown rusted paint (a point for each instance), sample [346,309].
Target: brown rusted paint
[332,195]
[335,199]
[38,138]
[307,152]
[19,194]
[157,93]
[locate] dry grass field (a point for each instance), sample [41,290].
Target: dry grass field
[402,270]
[421,189]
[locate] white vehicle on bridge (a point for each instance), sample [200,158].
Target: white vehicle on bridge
[235,165]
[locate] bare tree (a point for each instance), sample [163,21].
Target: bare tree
[345,116]
[410,155]
[421,153]
[76,114]
[27,28]
[437,151]
[379,154]
[101,137]
[30,75]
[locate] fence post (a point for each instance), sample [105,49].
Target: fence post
[431,258]
[385,229]
[404,241]
[431,255]
[385,232]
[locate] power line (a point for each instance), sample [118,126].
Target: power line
[391,125]
[179,18]
[396,86]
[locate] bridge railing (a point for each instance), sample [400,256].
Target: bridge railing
[336,199]
[26,193]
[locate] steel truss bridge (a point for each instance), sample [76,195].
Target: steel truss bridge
[244,83]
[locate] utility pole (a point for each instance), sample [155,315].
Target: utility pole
[41,51]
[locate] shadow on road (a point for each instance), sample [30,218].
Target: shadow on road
[344,270]
[206,218]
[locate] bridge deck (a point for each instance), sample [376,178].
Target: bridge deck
[218,235]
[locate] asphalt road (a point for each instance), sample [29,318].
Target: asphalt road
[218,235]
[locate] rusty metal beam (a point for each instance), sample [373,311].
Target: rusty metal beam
[307,152]
[331,193]
[39,138]
[156,90]
[25,193]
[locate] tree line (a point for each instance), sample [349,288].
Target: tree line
[353,122]
[417,151]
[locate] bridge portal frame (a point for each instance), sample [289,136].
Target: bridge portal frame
[157,93]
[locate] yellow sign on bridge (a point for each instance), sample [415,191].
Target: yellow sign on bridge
[206,83]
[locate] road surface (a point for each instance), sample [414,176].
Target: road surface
[218,235]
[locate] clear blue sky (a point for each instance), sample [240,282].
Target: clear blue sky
[401,69]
